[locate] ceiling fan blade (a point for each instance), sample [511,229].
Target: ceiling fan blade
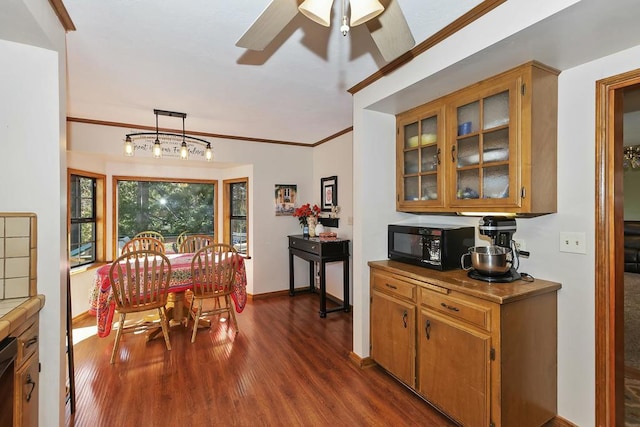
[270,22]
[390,31]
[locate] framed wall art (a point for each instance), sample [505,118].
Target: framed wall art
[328,193]
[285,199]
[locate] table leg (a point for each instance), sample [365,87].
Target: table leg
[312,278]
[291,285]
[323,291]
[175,313]
[345,284]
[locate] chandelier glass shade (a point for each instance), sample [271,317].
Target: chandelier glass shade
[168,139]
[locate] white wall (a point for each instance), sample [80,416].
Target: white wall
[336,158]
[374,168]
[32,134]
[99,149]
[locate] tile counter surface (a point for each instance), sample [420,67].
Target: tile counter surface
[15,311]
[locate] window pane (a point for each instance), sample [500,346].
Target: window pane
[239,235]
[239,199]
[169,208]
[82,239]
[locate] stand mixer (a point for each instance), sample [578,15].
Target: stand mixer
[500,230]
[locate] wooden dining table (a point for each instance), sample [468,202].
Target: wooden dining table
[102,306]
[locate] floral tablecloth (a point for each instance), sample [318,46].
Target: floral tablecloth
[102,306]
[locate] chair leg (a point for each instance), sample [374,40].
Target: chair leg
[164,323]
[186,323]
[232,312]
[116,342]
[195,321]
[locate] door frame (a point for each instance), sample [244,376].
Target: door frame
[609,271]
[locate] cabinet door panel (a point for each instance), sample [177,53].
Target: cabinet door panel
[393,336]
[26,393]
[454,368]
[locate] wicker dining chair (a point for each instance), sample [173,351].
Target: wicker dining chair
[193,243]
[143,244]
[150,233]
[213,271]
[140,281]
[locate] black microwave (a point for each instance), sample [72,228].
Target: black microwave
[435,246]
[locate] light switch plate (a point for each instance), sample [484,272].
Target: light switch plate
[573,242]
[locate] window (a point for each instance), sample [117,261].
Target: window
[169,207]
[236,213]
[85,217]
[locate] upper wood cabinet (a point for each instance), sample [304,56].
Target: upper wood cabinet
[490,147]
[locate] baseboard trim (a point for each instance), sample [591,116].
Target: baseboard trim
[254,297]
[81,316]
[558,421]
[361,362]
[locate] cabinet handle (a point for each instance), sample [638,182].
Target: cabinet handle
[390,286]
[33,386]
[438,156]
[404,318]
[453,150]
[31,342]
[450,307]
[427,329]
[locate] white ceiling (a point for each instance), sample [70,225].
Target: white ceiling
[128,57]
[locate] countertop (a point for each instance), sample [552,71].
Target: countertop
[15,311]
[457,280]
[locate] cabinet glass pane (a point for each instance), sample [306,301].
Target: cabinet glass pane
[495,147]
[411,162]
[429,130]
[429,158]
[468,151]
[496,110]
[468,184]
[495,182]
[411,135]
[470,114]
[429,188]
[411,188]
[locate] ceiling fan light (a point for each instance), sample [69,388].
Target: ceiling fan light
[364,10]
[318,11]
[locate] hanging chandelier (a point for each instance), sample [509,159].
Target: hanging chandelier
[631,157]
[167,142]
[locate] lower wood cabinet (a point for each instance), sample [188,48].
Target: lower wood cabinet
[485,354]
[27,368]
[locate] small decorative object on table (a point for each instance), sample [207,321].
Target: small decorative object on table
[328,235]
[304,213]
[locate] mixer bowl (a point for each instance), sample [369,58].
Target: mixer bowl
[488,260]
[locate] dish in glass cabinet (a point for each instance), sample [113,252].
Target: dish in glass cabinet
[427,138]
[491,155]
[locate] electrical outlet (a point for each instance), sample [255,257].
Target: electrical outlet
[520,244]
[574,242]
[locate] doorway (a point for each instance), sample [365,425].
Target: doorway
[609,281]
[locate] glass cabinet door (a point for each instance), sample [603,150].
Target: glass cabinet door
[419,162]
[483,150]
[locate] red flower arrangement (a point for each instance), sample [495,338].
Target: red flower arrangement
[305,211]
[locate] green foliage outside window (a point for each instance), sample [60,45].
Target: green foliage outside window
[169,208]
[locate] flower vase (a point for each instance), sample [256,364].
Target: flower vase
[311,222]
[305,230]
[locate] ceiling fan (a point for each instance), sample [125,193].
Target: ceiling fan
[384,20]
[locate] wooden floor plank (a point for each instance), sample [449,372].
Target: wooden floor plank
[286,367]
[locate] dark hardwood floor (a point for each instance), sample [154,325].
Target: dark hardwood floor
[285,367]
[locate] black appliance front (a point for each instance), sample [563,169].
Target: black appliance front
[434,246]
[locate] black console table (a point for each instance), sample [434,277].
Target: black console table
[314,250]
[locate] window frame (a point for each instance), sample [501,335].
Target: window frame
[100,203]
[114,189]
[226,203]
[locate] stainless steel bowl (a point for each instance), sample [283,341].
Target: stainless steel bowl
[488,260]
